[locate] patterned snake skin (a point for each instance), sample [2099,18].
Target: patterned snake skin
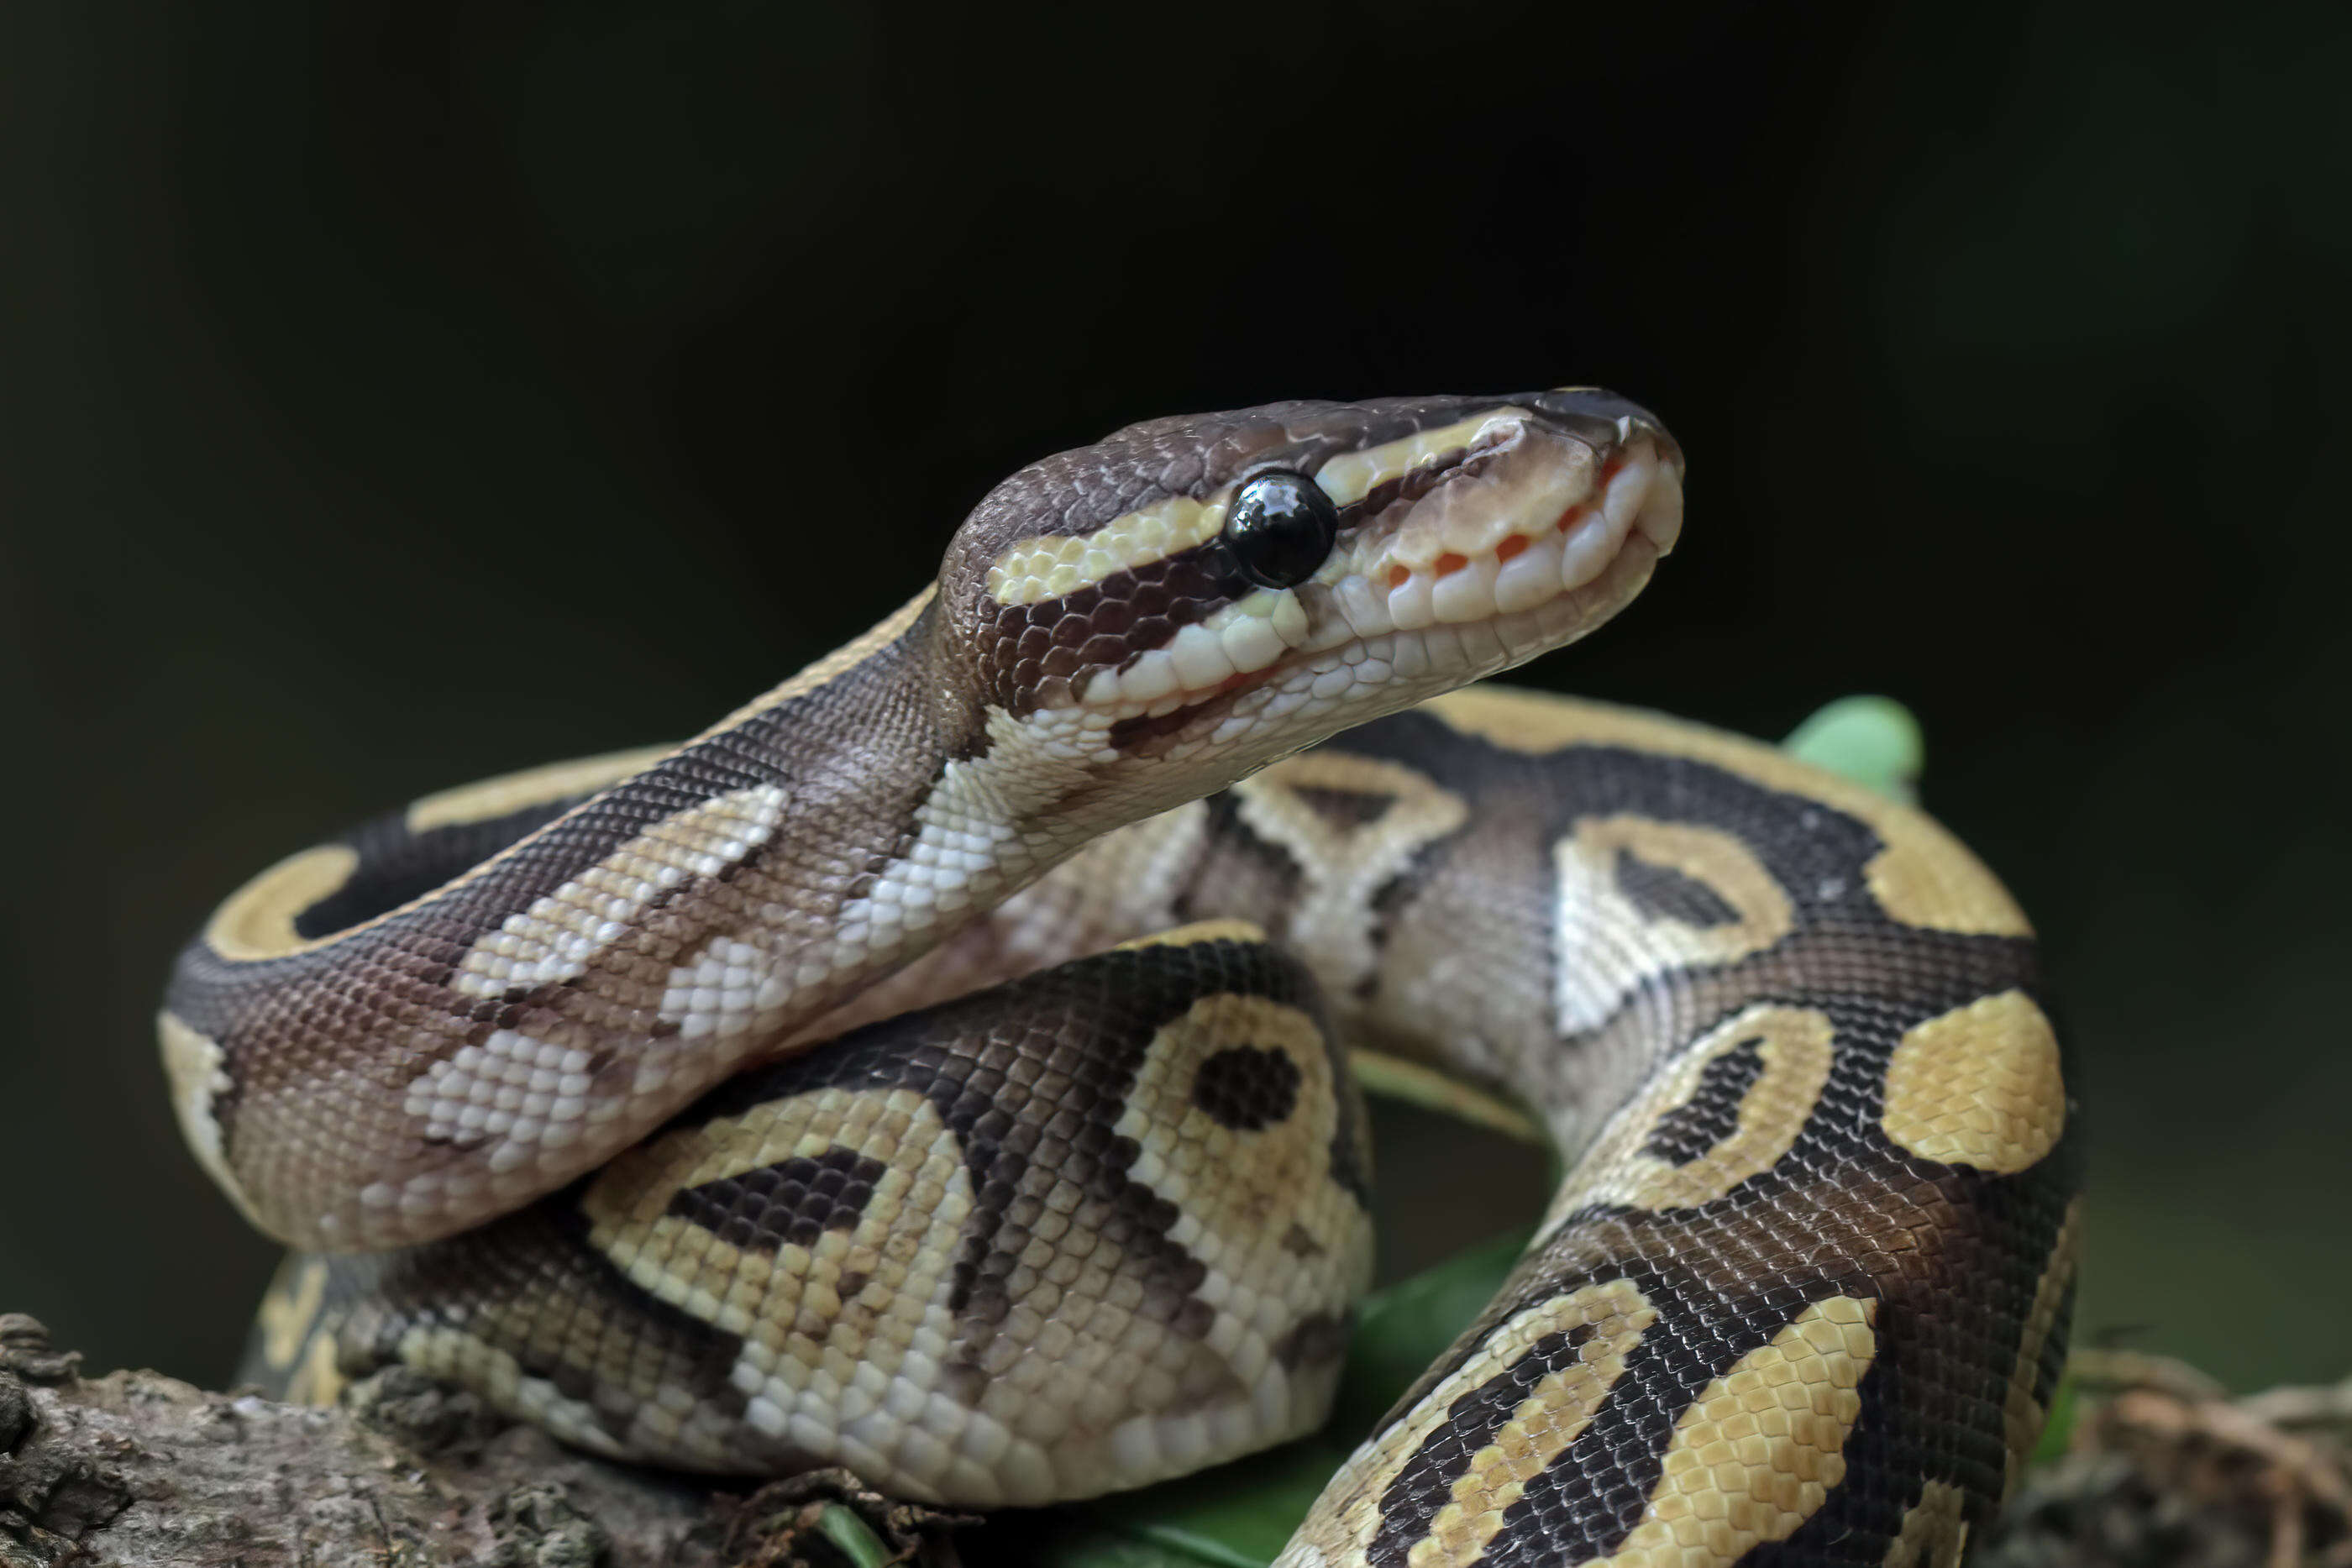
[938,1068]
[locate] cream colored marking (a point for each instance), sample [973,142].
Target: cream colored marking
[1347,1516]
[806,1343]
[988,823]
[1922,877]
[1796,1055]
[1052,566]
[1352,475]
[320,1379]
[518,1094]
[1125,882]
[1199,932]
[1979,1085]
[1552,1417]
[2021,1414]
[1397,1078]
[560,934]
[1238,1194]
[1933,1535]
[288,1307]
[1757,1452]
[510,792]
[258,920]
[1242,637]
[192,1063]
[1615,946]
[1332,921]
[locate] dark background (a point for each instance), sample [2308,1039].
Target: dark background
[396,394]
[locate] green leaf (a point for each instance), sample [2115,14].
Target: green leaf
[1874,741]
[2059,1430]
[851,1536]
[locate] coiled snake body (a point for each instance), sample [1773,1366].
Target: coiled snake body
[936,1067]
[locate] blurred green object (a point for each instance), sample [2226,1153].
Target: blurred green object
[852,1538]
[1239,1515]
[1871,740]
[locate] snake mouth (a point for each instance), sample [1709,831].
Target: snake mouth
[1495,547]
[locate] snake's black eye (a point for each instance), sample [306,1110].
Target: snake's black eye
[1280,528]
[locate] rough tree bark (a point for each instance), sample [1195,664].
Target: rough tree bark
[141,1470]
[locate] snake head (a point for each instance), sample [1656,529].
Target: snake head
[1219,590]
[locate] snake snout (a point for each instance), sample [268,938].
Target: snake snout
[1598,416]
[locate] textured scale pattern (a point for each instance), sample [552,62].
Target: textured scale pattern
[1017,1248]
[1050,1177]
[1790,1031]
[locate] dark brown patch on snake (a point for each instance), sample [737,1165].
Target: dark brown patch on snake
[1347,810]
[1661,892]
[1043,652]
[1239,872]
[397,865]
[1391,896]
[1246,1089]
[1712,1112]
[1315,1340]
[793,1201]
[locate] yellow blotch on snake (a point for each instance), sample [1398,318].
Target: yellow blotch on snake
[1979,1085]
[1758,1452]
[1933,1535]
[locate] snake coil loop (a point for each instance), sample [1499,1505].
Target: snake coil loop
[938,1066]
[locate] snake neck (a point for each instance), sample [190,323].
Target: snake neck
[908,807]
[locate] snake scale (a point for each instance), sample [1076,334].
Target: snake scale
[938,1067]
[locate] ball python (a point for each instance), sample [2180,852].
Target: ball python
[939,1067]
